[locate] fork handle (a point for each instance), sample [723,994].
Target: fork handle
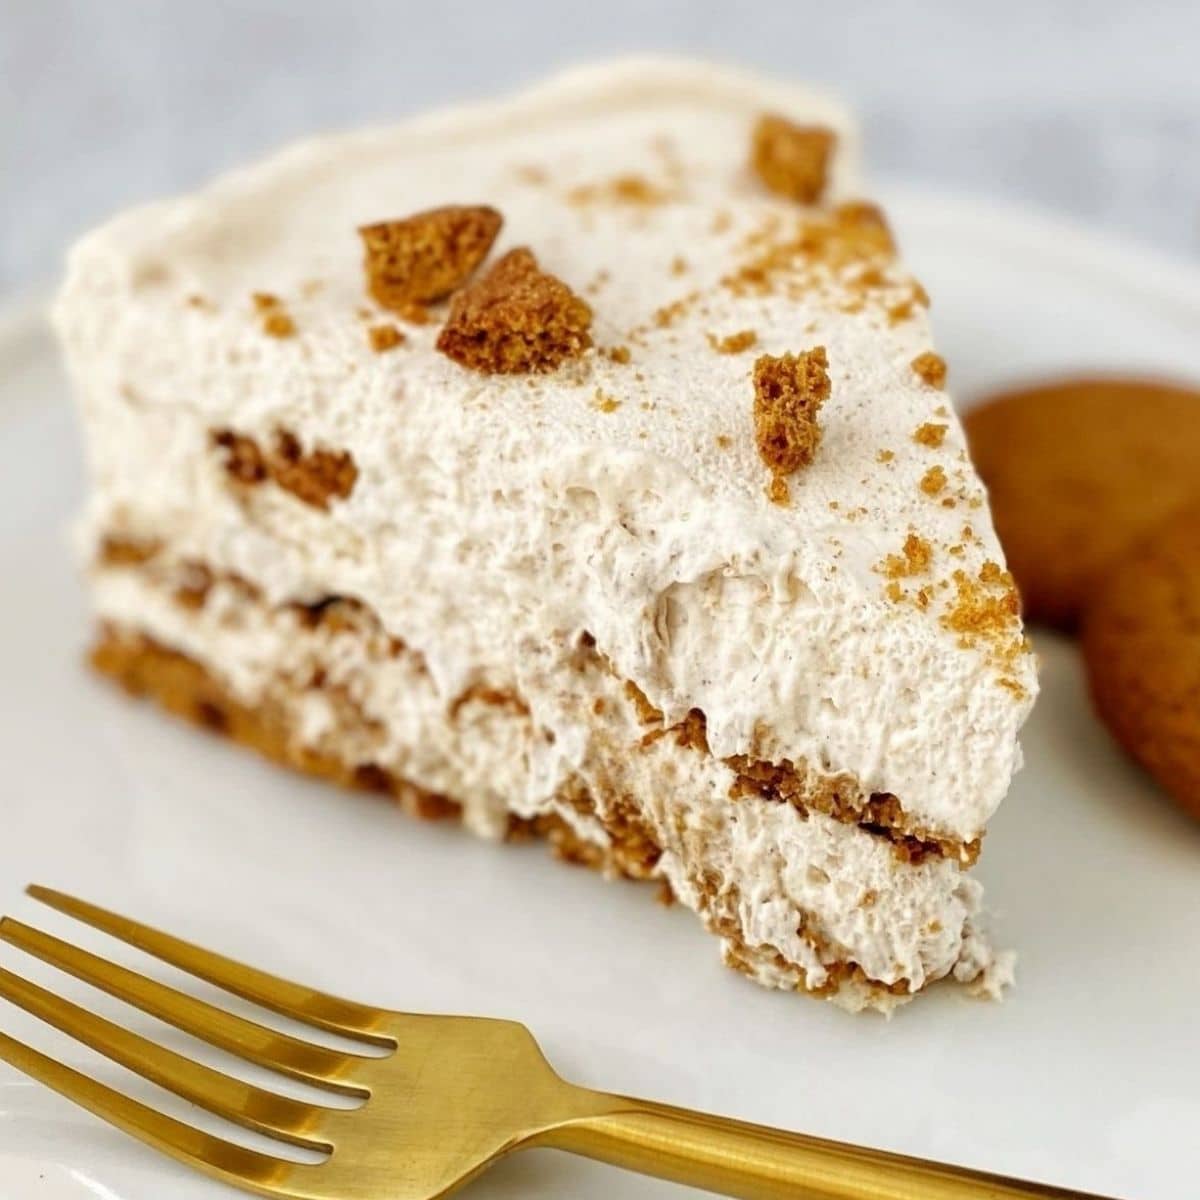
[753,1162]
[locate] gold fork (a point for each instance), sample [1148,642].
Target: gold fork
[449,1097]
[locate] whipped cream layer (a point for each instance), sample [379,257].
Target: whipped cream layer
[494,516]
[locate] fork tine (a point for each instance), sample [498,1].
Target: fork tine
[269,1048]
[291,999]
[230,1098]
[213,1155]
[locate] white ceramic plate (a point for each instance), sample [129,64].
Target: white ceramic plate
[1088,1075]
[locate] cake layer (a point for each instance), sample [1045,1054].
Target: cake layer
[242,405]
[799,898]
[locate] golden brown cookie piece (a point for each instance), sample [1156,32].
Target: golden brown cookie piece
[1077,470]
[792,160]
[788,393]
[516,319]
[1141,644]
[425,257]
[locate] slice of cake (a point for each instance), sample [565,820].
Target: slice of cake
[576,465]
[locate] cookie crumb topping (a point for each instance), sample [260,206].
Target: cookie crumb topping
[276,321]
[933,481]
[985,613]
[777,490]
[621,189]
[516,319]
[795,257]
[792,160]
[931,368]
[384,338]
[668,314]
[861,220]
[885,456]
[930,434]
[788,393]
[734,343]
[425,257]
[915,560]
[279,325]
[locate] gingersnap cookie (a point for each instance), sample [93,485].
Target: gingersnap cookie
[1077,470]
[1141,644]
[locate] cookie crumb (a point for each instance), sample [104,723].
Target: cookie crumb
[915,559]
[987,608]
[933,481]
[276,322]
[516,319]
[243,459]
[724,441]
[384,338]
[734,343]
[930,434]
[931,368]
[679,265]
[667,314]
[618,354]
[788,393]
[885,456]
[423,258]
[777,490]
[792,160]
[605,403]
[279,325]
[316,476]
[621,189]
[864,222]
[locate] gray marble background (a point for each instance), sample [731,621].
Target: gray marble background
[1090,108]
